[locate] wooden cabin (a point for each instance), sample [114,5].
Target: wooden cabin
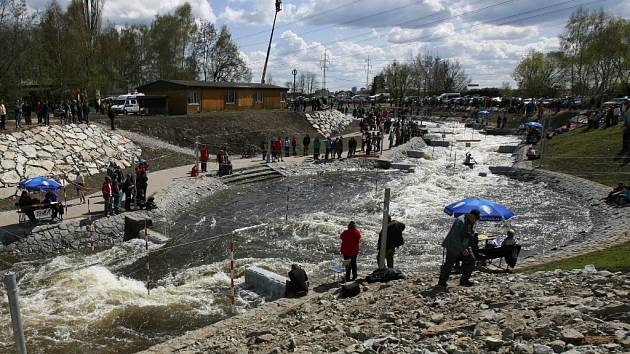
[189,96]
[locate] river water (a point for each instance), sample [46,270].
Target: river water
[98,303]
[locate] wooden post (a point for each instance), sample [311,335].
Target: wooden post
[383,248]
[14,307]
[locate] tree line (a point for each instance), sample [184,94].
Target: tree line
[594,59]
[424,75]
[71,52]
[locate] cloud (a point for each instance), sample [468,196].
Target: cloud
[138,11]
[405,35]
[256,12]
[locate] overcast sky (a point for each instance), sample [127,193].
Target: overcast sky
[487,36]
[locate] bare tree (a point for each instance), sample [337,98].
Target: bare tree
[311,83]
[204,41]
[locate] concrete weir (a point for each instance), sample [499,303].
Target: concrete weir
[266,283]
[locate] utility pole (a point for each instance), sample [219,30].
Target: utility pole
[368,67]
[383,246]
[324,64]
[197,152]
[294,72]
[278,9]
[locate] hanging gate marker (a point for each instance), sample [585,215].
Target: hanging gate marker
[146,246]
[232,265]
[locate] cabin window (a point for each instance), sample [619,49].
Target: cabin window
[230,97]
[193,97]
[259,96]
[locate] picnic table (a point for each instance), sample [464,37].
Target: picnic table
[41,211]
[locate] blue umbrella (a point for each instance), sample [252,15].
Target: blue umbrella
[40,184]
[490,211]
[485,113]
[535,124]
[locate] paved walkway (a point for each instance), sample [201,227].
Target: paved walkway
[158,181]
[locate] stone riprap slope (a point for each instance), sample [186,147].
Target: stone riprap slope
[579,311]
[329,122]
[59,150]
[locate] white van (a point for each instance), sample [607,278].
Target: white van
[445,97]
[127,104]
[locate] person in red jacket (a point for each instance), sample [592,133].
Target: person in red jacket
[106,189]
[350,246]
[204,156]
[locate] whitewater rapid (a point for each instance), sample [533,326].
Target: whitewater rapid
[99,302]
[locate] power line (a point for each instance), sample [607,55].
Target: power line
[299,20]
[344,23]
[498,19]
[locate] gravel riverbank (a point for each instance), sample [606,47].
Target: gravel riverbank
[579,311]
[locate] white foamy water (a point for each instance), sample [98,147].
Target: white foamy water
[98,303]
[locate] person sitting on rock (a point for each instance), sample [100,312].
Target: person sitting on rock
[616,193]
[297,285]
[531,153]
[509,239]
[195,171]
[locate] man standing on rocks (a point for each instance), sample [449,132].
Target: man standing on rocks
[456,244]
[204,156]
[106,190]
[394,240]
[3,115]
[350,246]
[306,142]
[316,146]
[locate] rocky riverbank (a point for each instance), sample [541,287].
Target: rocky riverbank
[608,222]
[578,311]
[59,150]
[329,122]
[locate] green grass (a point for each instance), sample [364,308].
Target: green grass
[594,155]
[612,259]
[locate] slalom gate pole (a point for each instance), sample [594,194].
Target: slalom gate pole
[16,317]
[148,268]
[286,213]
[91,232]
[232,265]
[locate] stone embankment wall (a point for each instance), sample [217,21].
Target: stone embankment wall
[329,122]
[609,224]
[59,150]
[74,234]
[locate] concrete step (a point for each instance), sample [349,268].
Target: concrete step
[250,175]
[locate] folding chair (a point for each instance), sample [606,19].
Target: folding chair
[338,271]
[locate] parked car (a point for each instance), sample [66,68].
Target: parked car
[615,102]
[127,104]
